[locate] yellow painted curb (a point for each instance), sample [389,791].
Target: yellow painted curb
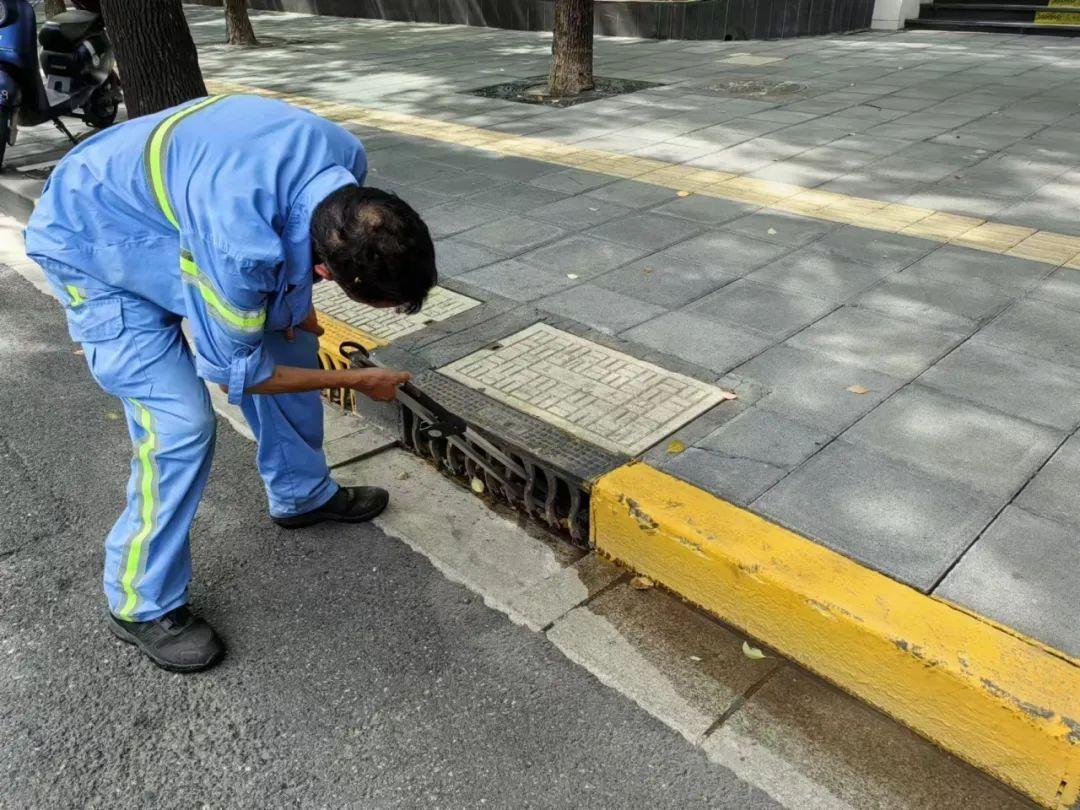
[1004,703]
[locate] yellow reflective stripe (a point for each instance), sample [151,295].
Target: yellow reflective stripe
[77,296]
[147,503]
[155,155]
[245,320]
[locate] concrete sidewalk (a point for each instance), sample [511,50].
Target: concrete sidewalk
[904,354]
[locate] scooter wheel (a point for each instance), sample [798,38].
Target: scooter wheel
[104,103]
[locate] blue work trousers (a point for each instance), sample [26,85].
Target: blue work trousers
[137,352]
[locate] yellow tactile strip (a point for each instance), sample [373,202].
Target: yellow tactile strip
[994,237]
[1007,704]
[1051,17]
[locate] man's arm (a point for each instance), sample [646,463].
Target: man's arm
[379,384]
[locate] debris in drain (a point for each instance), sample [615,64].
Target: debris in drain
[477,486]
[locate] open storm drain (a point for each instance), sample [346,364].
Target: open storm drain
[534,90]
[755,89]
[535,417]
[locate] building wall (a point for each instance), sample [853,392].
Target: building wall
[700,19]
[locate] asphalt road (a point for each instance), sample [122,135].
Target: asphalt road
[357,676]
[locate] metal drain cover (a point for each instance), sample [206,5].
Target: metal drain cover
[756,89]
[386,324]
[597,394]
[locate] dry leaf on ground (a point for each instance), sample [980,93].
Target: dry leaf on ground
[641,583]
[675,447]
[858,389]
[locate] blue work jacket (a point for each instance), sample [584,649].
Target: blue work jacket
[204,210]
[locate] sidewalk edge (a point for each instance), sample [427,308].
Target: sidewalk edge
[1006,704]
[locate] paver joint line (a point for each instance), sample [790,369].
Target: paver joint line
[1048,247]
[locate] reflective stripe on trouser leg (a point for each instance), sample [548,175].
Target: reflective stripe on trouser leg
[171,424]
[144,514]
[289,430]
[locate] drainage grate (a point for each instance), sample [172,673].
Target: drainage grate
[500,452]
[534,91]
[754,89]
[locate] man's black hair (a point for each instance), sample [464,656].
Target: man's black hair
[376,247]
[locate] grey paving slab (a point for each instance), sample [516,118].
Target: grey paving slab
[517,280]
[603,310]
[1052,492]
[704,209]
[516,197]
[745,456]
[765,309]
[784,229]
[1042,392]
[875,341]
[1038,329]
[571,181]
[1062,287]
[707,344]
[819,272]
[659,279]
[582,256]
[959,265]
[1021,573]
[734,253]
[812,388]
[989,451]
[407,171]
[904,522]
[664,655]
[925,301]
[632,194]
[453,217]
[513,234]
[454,257]
[881,251]
[738,480]
[826,750]
[766,436]
[576,213]
[459,184]
[647,231]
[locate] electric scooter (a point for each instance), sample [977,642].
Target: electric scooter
[79,78]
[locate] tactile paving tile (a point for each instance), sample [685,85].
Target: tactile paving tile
[603,396]
[386,324]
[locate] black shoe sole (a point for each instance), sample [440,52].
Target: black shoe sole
[319,516]
[128,638]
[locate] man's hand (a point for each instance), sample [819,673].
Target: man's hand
[309,324]
[380,384]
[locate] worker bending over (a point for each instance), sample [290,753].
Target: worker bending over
[223,211]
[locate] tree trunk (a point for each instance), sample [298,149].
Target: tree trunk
[155,54]
[572,48]
[54,7]
[238,24]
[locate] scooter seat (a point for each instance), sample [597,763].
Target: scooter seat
[66,29]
